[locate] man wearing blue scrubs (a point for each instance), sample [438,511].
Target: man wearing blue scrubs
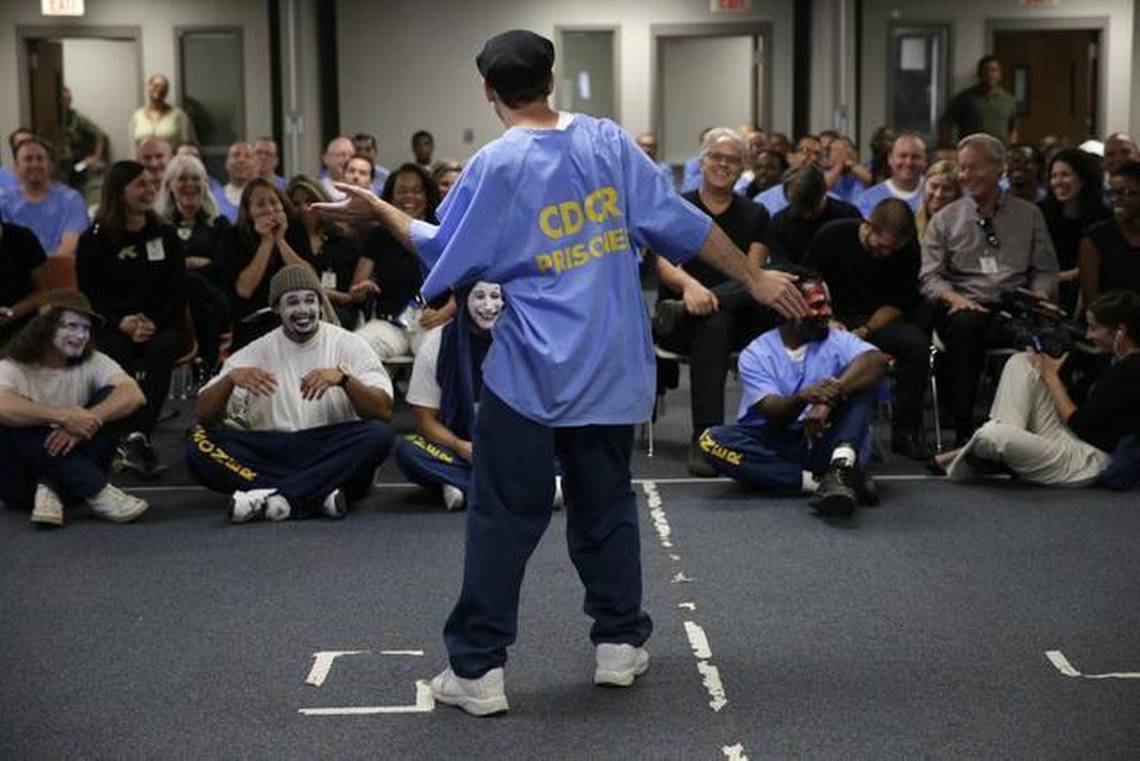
[555,210]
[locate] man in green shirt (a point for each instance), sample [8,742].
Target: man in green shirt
[84,147]
[985,107]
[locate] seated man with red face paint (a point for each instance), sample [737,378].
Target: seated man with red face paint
[805,416]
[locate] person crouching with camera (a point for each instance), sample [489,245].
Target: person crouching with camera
[1037,431]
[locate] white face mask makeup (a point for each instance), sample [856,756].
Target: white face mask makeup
[485,304]
[72,335]
[300,311]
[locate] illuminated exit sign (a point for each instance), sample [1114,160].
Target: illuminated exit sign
[61,7]
[730,6]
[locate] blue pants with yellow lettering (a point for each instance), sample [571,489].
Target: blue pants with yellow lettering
[508,509]
[303,466]
[431,465]
[767,457]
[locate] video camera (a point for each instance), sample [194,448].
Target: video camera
[1036,322]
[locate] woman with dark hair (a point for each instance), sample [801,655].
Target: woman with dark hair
[398,322]
[1074,203]
[59,399]
[1110,251]
[132,268]
[1038,432]
[185,202]
[267,236]
[334,254]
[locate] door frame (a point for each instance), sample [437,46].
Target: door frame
[25,32]
[660,32]
[560,29]
[1099,24]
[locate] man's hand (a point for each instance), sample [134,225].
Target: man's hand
[699,301]
[80,422]
[433,318]
[816,420]
[779,291]
[59,442]
[959,303]
[463,449]
[317,382]
[362,290]
[144,329]
[254,380]
[827,391]
[359,206]
[1046,366]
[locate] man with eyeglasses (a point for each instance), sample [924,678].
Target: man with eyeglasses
[984,244]
[701,312]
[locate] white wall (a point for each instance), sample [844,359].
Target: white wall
[88,65]
[690,104]
[968,32]
[156,19]
[425,77]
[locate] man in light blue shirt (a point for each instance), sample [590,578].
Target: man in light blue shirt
[907,160]
[54,212]
[647,142]
[555,210]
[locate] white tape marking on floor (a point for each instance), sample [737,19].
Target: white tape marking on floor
[735,752]
[680,578]
[401,652]
[687,605]
[660,522]
[698,641]
[1058,659]
[425,703]
[322,663]
[713,685]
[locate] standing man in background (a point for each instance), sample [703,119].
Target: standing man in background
[985,107]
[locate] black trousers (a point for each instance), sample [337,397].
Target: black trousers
[211,314]
[910,346]
[151,363]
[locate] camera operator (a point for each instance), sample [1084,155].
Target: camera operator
[985,243]
[1037,431]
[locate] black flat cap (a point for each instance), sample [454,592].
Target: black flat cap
[514,58]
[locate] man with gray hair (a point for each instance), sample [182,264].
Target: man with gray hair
[976,248]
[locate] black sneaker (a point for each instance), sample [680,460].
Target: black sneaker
[667,317]
[866,490]
[910,445]
[137,455]
[836,494]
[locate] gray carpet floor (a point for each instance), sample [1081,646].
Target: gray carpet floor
[917,629]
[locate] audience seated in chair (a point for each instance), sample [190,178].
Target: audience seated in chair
[939,189]
[976,248]
[23,278]
[241,167]
[265,161]
[184,202]
[1110,251]
[154,153]
[1035,428]
[55,213]
[907,161]
[871,268]
[306,410]
[809,208]
[60,405]
[131,267]
[805,416]
[701,312]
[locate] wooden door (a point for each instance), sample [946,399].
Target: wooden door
[1054,76]
[45,66]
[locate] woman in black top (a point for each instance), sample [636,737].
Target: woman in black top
[131,267]
[267,236]
[1074,203]
[398,324]
[185,202]
[1110,252]
[1038,432]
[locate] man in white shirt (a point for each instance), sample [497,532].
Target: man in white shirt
[57,397]
[306,409]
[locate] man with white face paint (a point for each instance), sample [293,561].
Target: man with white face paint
[58,397]
[444,391]
[306,409]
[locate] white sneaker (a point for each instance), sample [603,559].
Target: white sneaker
[47,509]
[335,504]
[452,497]
[277,508]
[619,664]
[479,697]
[559,500]
[115,505]
[249,505]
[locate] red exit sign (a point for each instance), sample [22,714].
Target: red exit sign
[730,6]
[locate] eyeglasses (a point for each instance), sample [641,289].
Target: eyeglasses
[724,158]
[1123,192]
[987,225]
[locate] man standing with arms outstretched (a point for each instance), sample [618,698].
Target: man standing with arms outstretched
[555,210]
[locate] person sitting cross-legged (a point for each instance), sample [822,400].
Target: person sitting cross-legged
[805,416]
[306,409]
[59,401]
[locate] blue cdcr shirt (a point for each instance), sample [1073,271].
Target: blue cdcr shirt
[557,217]
[766,368]
[62,211]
